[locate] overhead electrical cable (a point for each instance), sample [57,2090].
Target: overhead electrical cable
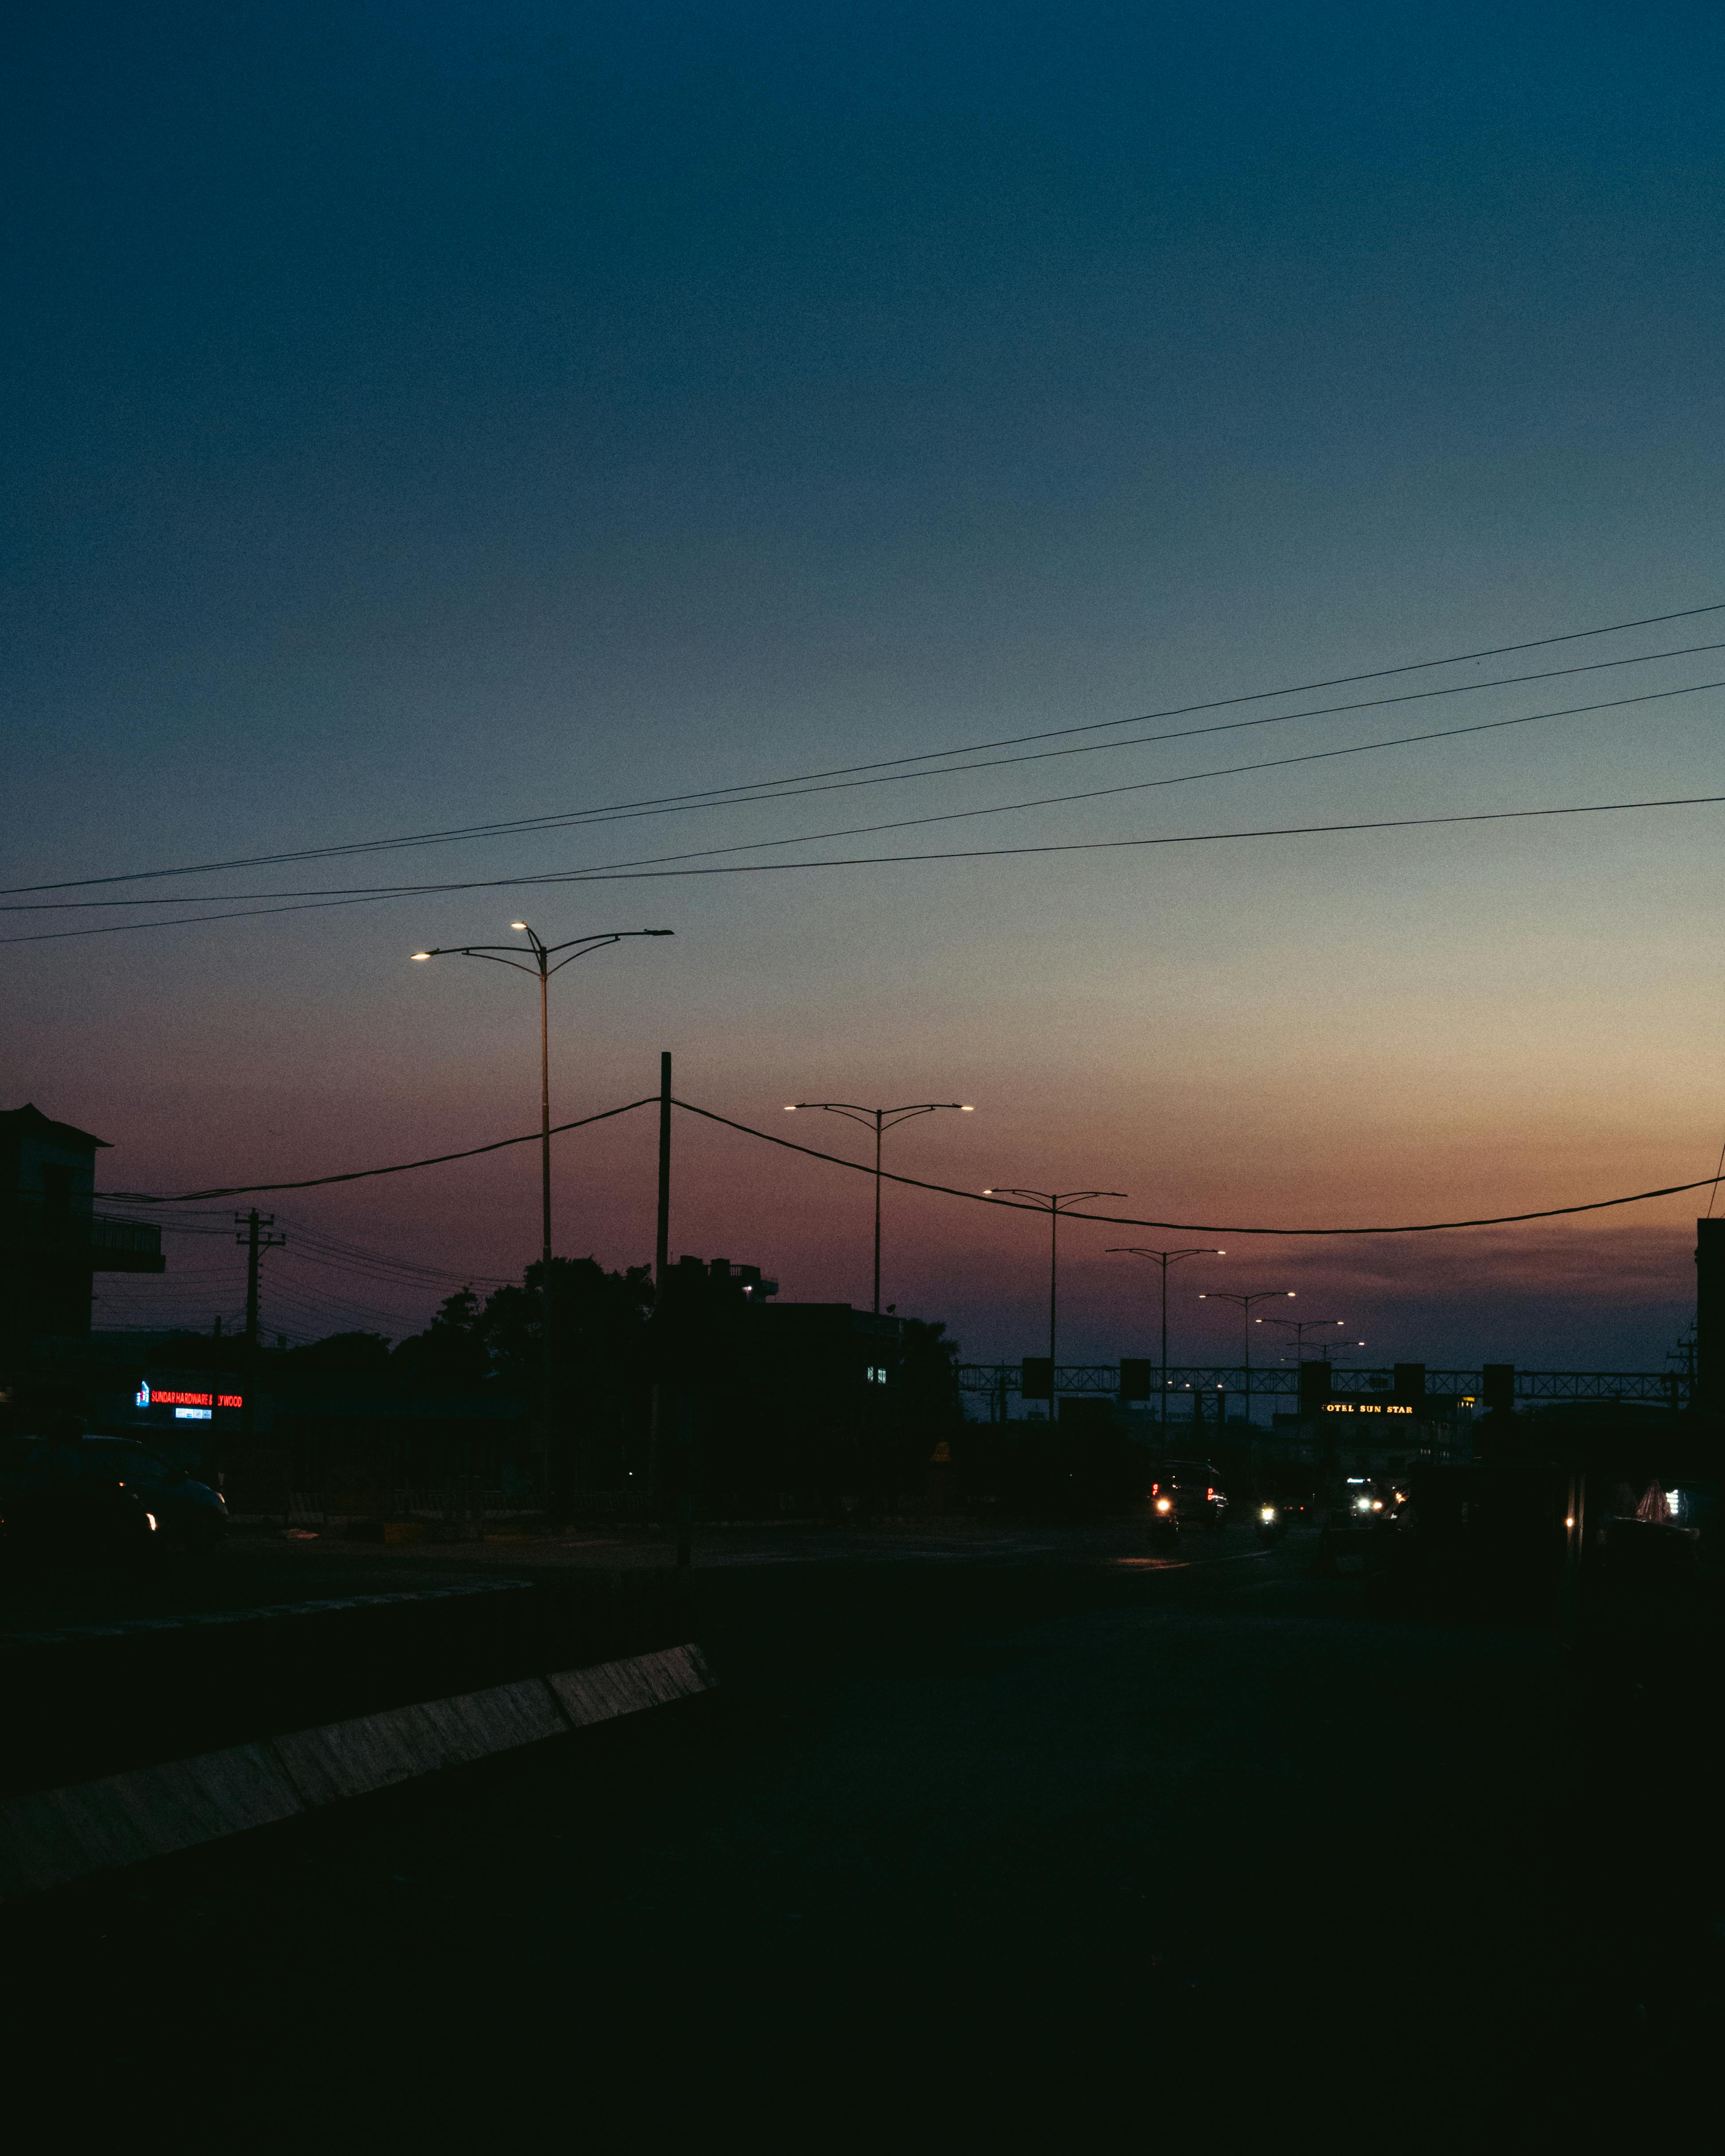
[940,1190]
[361,1175]
[897,860]
[581,819]
[771,788]
[1192,1227]
[382,891]
[1109,845]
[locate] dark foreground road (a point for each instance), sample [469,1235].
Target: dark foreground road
[1041,1847]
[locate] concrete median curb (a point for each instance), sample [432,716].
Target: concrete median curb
[50,1837]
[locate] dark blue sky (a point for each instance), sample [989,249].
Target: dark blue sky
[419,413]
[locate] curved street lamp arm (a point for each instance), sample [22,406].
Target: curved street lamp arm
[590,943]
[902,1115]
[848,1108]
[494,951]
[884,1117]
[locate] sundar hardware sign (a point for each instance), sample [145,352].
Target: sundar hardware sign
[188,1404]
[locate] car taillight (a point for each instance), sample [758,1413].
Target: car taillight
[1209,1493]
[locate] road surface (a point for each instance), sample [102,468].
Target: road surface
[1008,1839]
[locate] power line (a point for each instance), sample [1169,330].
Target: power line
[361,1175]
[1718,1174]
[771,788]
[948,1190]
[380,891]
[1108,845]
[627,875]
[1145,785]
[1196,1226]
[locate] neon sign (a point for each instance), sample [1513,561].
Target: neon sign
[1365,1407]
[159,1396]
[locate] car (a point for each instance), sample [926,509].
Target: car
[1362,1502]
[1359,1511]
[1186,1493]
[108,1495]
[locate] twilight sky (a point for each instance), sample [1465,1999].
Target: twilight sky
[427,415]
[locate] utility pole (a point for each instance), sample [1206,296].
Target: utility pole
[256,1242]
[657,1470]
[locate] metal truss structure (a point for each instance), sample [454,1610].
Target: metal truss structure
[1666,1388]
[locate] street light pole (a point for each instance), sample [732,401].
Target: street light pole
[1300,1326]
[1244,1303]
[537,958]
[880,1121]
[1051,1201]
[1164,1259]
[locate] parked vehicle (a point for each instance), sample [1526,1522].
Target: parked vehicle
[1186,1493]
[108,1495]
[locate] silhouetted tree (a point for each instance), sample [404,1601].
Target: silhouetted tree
[343,1352]
[599,1335]
[450,1354]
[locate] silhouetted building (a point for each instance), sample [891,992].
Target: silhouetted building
[790,1398]
[823,1373]
[52,1241]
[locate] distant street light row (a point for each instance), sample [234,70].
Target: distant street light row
[537,958]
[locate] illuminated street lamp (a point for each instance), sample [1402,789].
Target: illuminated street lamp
[1164,1259]
[1300,1326]
[538,958]
[1244,1304]
[1052,1201]
[880,1121]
